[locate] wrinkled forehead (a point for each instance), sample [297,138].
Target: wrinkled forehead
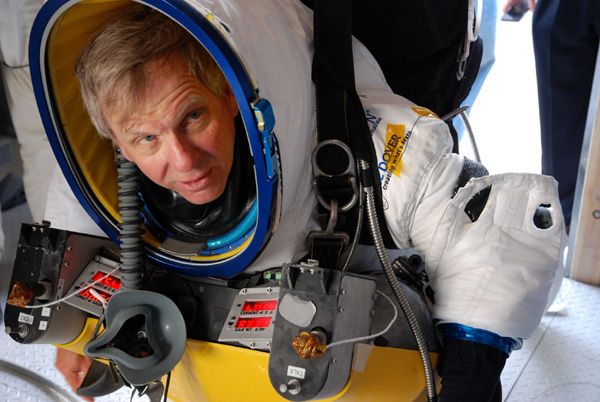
[128,93]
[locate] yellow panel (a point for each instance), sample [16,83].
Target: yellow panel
[94,155]
[213,372]
[389,375]
[77,344]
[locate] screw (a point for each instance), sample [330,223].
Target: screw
[294,386]
[142,335]
[69,248]
[596,214]
[243,291]
[269,290]
[23,331]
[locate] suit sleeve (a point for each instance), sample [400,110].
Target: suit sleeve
[495,272]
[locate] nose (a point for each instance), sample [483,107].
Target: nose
[183,155]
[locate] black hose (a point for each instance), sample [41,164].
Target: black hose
[130,234]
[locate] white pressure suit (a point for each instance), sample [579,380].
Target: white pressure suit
[494,274]
[16,18]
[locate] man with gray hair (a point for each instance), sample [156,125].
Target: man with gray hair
[155,92]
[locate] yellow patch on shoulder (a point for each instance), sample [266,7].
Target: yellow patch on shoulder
[395,140]
[423,111]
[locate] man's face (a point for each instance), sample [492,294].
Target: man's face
[180,134]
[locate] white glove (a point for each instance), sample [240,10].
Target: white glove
[497,273]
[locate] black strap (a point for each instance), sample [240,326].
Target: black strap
[327,250]
[340,115]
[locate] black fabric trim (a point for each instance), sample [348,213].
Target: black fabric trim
[470,371]
[476,204]
[469,170]
[340,114]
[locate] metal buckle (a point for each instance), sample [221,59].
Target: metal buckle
[329,229]
[349,171]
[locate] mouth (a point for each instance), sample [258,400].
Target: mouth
[198,183]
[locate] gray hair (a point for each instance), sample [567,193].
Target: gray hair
[112,66]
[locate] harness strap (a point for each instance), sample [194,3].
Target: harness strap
[340,116]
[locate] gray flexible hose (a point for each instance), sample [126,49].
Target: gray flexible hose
[397,289]
[359,223]
[130,234]
[54,391]
[465,120]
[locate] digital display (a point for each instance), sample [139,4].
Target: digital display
[254,306]
[86,294]
[253,322]
[110,281]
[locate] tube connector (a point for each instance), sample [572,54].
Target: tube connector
[310,345]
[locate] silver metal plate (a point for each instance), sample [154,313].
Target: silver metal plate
[251,320]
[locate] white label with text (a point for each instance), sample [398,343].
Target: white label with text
[296,372]
[25,318]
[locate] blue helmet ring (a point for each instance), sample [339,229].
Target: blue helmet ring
[59,32]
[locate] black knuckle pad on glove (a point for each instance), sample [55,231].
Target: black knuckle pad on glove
[476,205]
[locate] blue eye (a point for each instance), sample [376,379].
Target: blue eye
[195,115]
[149,138]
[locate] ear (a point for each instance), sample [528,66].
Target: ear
[231,102]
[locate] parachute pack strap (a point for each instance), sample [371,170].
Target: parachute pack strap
[340,115]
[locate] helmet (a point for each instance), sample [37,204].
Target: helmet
[221,238]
